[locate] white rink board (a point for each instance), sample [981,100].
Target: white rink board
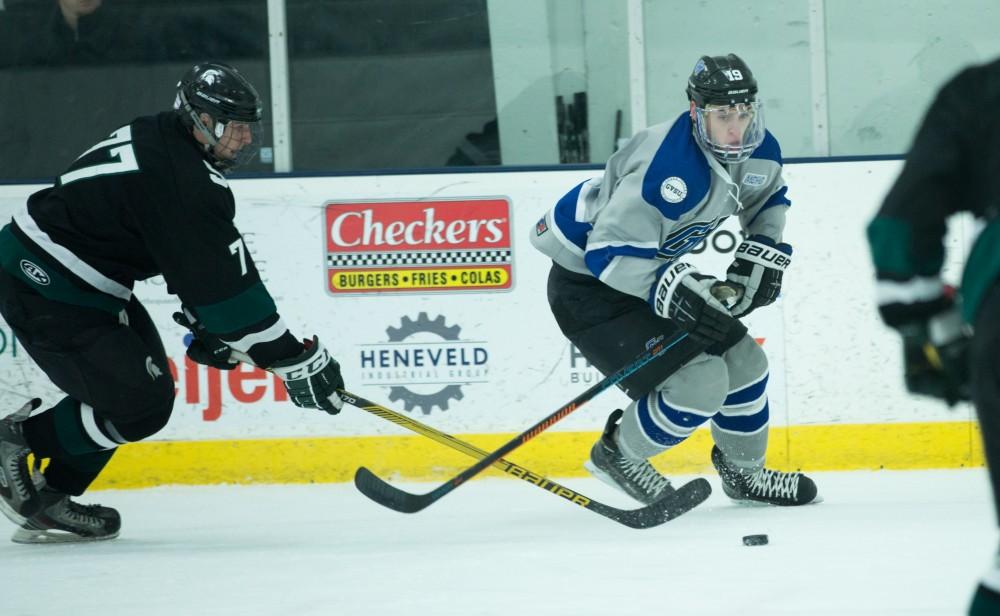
[831,359]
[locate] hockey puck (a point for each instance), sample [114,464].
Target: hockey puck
[755,540]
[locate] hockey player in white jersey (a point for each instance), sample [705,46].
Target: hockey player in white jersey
[619,282]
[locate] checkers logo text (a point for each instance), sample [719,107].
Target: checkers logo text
[418,246]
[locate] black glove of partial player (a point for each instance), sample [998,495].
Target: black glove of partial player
[684,295]
[205,348]
[757,269]
[312,378]
[936,357]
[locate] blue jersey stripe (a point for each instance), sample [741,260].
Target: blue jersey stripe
[768,149]
[598,260]
[778,198]
[564,217]
[678,157]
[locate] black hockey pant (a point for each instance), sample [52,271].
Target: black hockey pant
[986,383]
[612,328]
[115,374]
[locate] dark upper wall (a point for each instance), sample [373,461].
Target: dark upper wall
[373,83]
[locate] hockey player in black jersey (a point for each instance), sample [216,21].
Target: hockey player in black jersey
[949,342]
[150,199]
[619,283]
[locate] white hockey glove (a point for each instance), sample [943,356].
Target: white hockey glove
[686,297]
[312,378]
[757,271]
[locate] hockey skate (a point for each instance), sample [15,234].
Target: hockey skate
[764,486]
[19,498]
[637,478]
[61,520]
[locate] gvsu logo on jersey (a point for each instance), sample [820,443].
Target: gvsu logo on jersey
[419,246]
[673,189]
[424,362]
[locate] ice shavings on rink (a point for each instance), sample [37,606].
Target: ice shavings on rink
[882,543]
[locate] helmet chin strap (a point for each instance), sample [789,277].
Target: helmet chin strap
[211,140]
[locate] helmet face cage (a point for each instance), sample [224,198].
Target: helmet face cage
[753,133]
[723,90]
[222,93]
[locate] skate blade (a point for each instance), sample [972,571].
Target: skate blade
[36,537]
[606,478]
[11,515]
[603,477]
[749,503]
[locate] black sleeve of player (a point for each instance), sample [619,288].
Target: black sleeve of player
[190,233]
[934,183]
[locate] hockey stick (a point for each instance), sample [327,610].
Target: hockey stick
[407,502]
[683,500]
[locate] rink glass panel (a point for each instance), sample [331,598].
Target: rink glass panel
[431,84]
[62,93]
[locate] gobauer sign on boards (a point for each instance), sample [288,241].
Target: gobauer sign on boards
[418,246]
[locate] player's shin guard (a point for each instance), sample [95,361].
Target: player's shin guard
[740,426]
[740,432]
[78,441]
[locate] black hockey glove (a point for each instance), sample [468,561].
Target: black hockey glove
[205,348]
[757,270]
[312,378]
[936,357]
[686,297]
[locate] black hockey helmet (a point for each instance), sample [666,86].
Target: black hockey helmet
[726,81]
[219,90]
[721,80]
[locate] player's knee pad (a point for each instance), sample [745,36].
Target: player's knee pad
[745,409]
[701,384]
[148,417]
[746,363]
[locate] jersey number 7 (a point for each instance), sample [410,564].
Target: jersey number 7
[120,157]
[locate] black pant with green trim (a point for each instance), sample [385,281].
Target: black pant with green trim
[986,382]
[111,366]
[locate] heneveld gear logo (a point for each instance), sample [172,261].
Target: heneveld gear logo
[425,363]
[426,402]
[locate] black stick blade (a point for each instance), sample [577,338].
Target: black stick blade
[372,486]
[686,498]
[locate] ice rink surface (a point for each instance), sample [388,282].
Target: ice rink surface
[882,543]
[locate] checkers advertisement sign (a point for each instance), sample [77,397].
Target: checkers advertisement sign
[418,246]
